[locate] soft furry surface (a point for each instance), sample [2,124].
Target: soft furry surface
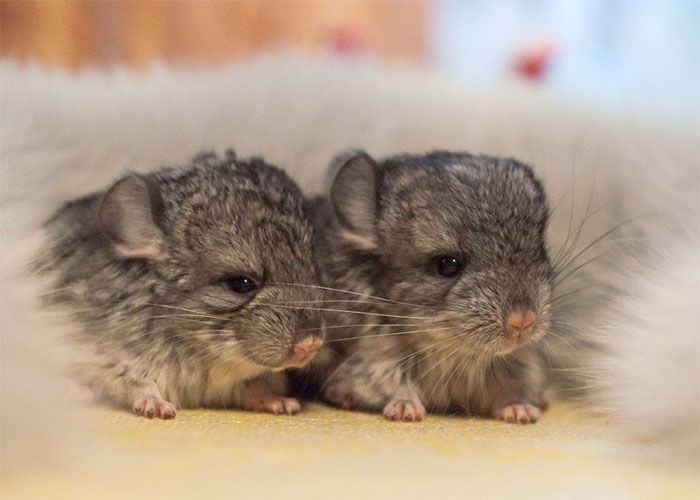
[649,373]
[326,453]
[62,137]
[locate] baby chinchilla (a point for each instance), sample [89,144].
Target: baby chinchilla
[183,283]
[445,255]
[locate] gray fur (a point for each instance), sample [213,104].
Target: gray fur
[142,270]
[446,349]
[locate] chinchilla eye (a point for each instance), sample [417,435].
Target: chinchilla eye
[241,284]
[448,266]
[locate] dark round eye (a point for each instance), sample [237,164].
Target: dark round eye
[241,284]
[448,266]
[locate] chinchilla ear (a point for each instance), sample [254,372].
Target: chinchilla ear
[130,215]
[354,197]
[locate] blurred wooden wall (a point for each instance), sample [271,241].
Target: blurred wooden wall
[77,33]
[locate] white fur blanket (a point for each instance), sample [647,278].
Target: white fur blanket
[64,136]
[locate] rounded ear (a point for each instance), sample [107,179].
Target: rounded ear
[354,198]
[130,216]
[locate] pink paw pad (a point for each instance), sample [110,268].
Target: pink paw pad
[404,410]
[518,414]
[151,406]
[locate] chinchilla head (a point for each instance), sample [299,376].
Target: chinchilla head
[229,246]
[456,240]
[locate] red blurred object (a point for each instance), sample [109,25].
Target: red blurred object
[534,62]
[348,42]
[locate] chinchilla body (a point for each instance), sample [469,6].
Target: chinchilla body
[179,283]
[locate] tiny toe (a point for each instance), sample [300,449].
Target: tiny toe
[391,411]
[533,413]
[292,406]
[138,408]
[508,414]
[166,411]
[150,410]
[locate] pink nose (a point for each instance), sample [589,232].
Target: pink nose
[304,351]
[519,323]
[307,346]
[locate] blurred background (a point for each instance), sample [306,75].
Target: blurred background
[620,52]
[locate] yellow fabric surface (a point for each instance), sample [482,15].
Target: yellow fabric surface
[335,454]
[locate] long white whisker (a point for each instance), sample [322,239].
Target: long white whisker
[389,334]
[323,309]
[351,292]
